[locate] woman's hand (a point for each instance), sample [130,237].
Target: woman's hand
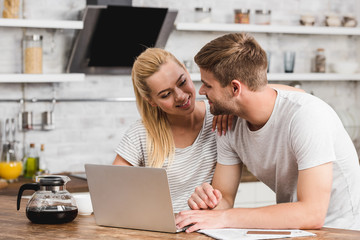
[222,123]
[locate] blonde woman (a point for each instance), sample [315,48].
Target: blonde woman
[175,131]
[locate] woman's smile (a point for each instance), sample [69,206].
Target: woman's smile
[185,105]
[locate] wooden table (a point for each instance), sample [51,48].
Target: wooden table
[75,185]
[15,225]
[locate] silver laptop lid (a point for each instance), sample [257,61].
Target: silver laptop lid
[131,197]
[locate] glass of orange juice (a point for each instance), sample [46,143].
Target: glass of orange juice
[10,170]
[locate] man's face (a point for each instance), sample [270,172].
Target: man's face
[219,97]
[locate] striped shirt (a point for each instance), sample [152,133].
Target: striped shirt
[191,166]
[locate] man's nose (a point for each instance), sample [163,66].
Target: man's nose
[201,90]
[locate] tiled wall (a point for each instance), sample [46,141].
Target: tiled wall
[87,132]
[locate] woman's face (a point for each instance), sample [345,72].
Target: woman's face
[172,89]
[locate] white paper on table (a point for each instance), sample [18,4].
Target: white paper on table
[240,234]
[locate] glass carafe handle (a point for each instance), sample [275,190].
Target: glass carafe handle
[27,186]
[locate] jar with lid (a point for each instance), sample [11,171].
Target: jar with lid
[32,56]
[202,15]
[320,60]
[12,9]
[262,17]
[242,16]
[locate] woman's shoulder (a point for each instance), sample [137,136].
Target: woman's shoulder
[136,128]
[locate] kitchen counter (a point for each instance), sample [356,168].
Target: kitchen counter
[75,185]
[15,225]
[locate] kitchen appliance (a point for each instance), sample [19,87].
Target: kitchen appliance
[51,203]
[113,36]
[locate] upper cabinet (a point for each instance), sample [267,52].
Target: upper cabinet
[31,23]
[234,27]
[42,24]
[279,29]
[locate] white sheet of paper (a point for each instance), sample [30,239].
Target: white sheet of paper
[241,234]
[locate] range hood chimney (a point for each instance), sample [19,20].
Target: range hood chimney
[114,35]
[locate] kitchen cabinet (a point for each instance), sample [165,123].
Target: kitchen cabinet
[273,29]
[41,24]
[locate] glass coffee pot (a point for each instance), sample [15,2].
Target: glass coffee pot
[51,203]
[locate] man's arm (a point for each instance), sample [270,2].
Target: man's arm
[309,212]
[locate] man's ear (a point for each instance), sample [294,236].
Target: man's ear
[150,101]
[236,87]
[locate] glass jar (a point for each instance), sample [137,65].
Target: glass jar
[262,17]
[202,15]
[320,60]
[12,9]
[32,45]
[242,16]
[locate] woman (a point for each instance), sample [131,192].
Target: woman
[175,131]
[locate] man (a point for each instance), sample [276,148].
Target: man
[293,142]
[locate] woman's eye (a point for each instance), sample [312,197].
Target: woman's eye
[165,95]
[183,82]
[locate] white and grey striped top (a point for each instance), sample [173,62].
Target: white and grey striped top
[191,166]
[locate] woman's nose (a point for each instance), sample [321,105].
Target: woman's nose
[179,95]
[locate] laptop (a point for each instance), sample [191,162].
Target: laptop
[131,197]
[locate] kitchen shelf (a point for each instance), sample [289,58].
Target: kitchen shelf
[41,78]
[235,27]
[302,77]
[41,23]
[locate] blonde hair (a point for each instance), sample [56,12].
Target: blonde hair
[235,56]
[159,140]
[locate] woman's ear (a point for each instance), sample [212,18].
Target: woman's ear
[150,101]
[236,86]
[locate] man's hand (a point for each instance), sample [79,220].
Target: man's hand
[222,123]
[201,219]
[204,197]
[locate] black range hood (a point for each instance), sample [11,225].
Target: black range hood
[113,36]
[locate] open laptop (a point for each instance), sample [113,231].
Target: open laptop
[131,197]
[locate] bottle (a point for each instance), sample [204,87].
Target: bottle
[12,9]
[32,162]
[242,16]
[32,45]
[320,60]
[42,162]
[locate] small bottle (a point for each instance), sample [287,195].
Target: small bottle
[320,60]
[202,15]
[33,59]
[32,162]
[242,16]
[42,162]
[12,9]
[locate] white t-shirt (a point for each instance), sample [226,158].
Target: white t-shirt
[191,166]
[302,132]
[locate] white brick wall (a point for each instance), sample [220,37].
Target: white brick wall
[89,131]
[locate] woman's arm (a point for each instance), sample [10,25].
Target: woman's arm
[120,161]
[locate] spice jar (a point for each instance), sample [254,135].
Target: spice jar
[32,45]
[202,15]
[320,60]
[262,17]
[12,9]
[242,16]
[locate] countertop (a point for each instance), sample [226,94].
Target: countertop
[15,225]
